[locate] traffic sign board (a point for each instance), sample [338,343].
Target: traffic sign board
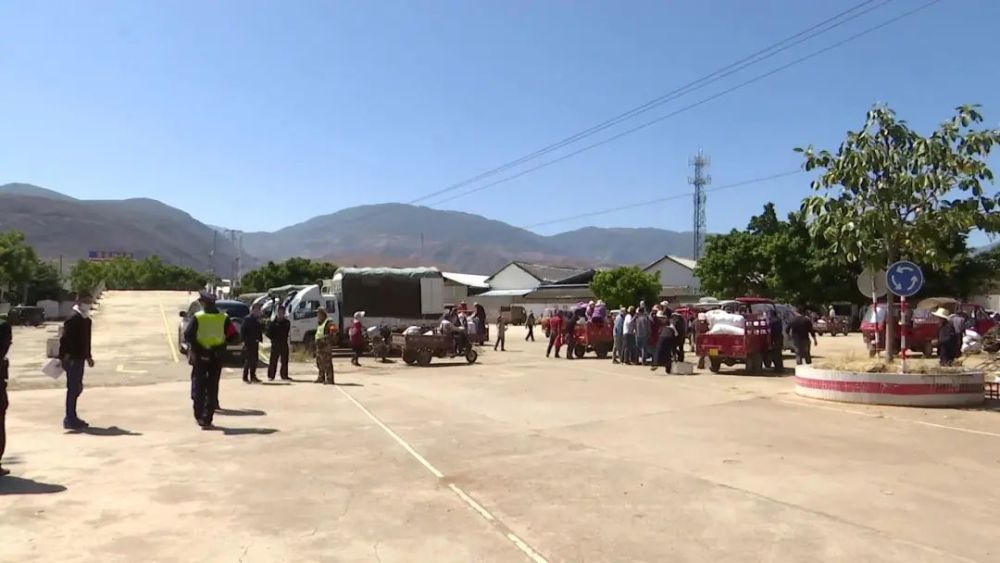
[904,278]
[872,282]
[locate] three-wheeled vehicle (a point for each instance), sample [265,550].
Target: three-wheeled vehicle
[420,348]
[748,348]
[596,337]
[26,315]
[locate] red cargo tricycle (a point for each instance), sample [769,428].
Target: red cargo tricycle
[748,348]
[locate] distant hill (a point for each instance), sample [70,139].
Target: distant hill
[58,225]
[407,234]
[386,234]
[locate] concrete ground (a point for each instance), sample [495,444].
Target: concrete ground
[515,458]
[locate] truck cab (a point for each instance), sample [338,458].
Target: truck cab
[302,310]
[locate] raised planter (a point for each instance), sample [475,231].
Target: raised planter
[910,390]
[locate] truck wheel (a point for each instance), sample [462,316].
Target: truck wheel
[580,351]
[714,364]
[471,355]
[602,352]
[424,358]
[409,357]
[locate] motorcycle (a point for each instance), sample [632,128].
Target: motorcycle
[378,338]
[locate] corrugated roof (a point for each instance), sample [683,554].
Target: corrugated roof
[402,272]
[550,274]
[685,262]
[505,293]
[470,280]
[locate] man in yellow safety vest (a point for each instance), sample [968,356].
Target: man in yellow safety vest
[325,334]
[206,334]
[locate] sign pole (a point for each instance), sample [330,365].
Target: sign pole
[902,333]
[875,312]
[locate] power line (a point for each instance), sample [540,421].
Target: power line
[691,106]
[749,60]
[665,199]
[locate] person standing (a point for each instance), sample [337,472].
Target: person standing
[628,331]
[252,335]
[569,335]
[74,351]
[6,339]
[206,334]
[356,334]
[618,347]
[801,328]
[776,330]
[501,333]
[324,346]
[530,324]
[555,333]
[680,335]
[277,332]
[643,325]
[665,346]
[947,353]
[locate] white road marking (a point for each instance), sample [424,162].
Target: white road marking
[121,369]
[167,330]
[471,502]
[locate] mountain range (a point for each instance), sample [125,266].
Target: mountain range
[385,234]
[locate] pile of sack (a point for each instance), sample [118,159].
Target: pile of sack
[721,322]
[972,342]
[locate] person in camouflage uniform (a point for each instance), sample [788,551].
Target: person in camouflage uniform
[324,347]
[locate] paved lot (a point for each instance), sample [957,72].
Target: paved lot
[517,458]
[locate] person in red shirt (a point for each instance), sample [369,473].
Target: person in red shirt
[555,333]
[357,336]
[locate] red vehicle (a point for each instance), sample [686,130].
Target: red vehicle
[594,337]
[730,349]
[923,327]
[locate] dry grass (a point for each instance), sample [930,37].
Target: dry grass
[916,366]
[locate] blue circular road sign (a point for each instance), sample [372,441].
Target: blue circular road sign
[904,278]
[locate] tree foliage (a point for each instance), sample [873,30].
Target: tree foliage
[123,273]
[777,259]
[890,193]
[298,271]
[17,262]
[627,286]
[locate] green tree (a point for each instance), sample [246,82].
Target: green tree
[45,283]
[17,263]
[297,271]
[890,193]
[627,286]
[124,273]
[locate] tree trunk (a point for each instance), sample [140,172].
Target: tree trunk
[890,320]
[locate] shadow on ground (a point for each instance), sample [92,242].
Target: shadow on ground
[11,485]
[109,431]
[245,431]
[240,412]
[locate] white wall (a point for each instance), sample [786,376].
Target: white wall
[673,274]
[513,277]
[455,293]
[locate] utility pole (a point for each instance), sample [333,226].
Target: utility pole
[236,237]
[699,181]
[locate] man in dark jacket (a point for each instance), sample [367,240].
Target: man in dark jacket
[277,333]
[947,348]
[206,334]
[252,335]
[801,328]
[569,336]
[777,341]
[5,341]
[74,352]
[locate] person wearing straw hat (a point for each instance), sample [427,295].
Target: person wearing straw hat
[947,351]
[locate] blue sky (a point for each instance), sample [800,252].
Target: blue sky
[258,115]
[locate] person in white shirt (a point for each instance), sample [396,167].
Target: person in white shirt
[628,330]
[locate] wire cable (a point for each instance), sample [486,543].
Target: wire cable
[664,199]
[691,106]
[723,72]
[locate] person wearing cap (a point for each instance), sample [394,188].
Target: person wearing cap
[947,350]
[357,337]
[74,352]
[6,339]
[207,334]
[325,327]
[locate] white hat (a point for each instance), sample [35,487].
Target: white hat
[942,313]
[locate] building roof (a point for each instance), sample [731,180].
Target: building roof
[545,273]
[505,293]
[469,280]
[683,262]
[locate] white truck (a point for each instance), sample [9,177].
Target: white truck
[396,298]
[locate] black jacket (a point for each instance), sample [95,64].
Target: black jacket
[278,331]
[75,341]
[5,339]
[251,331]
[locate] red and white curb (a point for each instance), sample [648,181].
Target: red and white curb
[914,390]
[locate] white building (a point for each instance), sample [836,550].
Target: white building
[514,282]
[458,287]
[676,276]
